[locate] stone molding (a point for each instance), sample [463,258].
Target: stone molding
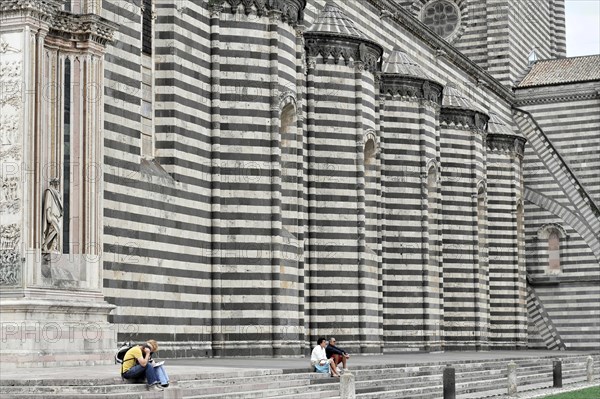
[464,118]
[370,134]
[82,28]
[411,87]
[557,93]
[505,143]
[292,11]
[77,27]
[543,232]
[338,46]
[43,10]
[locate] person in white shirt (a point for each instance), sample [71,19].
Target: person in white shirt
[319,360]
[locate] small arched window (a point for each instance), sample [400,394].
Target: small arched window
[370,157]
[552,237]
[370,152]
[554,252]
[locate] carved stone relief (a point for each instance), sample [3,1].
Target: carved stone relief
[10,265]
[11,94]
[409,87]
[342,49]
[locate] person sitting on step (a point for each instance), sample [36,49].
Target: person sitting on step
[337,354]
[319,361]
[136,364]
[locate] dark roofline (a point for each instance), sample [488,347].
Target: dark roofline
[407,21]
[570,82]
[565,58]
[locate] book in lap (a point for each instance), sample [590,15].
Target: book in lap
[156,364]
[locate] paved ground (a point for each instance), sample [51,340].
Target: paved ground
[178,367]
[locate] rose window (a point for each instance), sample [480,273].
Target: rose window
[442,17]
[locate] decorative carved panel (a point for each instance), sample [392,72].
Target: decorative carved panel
[404,86]
[11,108]
[343,49]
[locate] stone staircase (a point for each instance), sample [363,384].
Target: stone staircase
[474,379]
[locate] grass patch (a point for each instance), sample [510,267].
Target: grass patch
[588,393]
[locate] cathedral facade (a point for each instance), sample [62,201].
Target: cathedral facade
[240,177]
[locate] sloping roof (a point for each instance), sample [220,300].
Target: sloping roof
[333,20]
[400,63]
[563,70]
[496,126]
[453,98]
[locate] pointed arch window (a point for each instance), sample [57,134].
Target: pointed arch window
[66,184]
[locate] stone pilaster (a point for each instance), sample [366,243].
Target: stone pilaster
[311,242]
[278,313]
[215,76]
[360,205]
[301,184]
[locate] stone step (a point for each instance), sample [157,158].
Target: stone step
[500,389]
[269,393]
[73,390]
[399,383]
[184,384]
[137,395]
[431,391]
[362,375]
[467,376]
[233,373]
[478,379]
[480,386]
[483,371]
[331,394]
[245,387]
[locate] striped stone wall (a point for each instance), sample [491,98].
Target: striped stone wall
[157,212]
[567,114]
[413,312]
[344,262]
[466,312]
[499,35]
[260,284]
[284,201]
[507,288]
[562,217]
[444,70]
[266,183]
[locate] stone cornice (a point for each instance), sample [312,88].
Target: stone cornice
[464,118]
[42,10]
[407,21]
[292,11]
[82,28]
[557,93]
[77,27]
[505,143]
[346,47]
[411,87]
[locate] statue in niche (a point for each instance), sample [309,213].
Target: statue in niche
[52,218]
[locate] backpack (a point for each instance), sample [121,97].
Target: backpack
[120,355]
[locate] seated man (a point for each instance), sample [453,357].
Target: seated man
[337,354]
[319,361]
